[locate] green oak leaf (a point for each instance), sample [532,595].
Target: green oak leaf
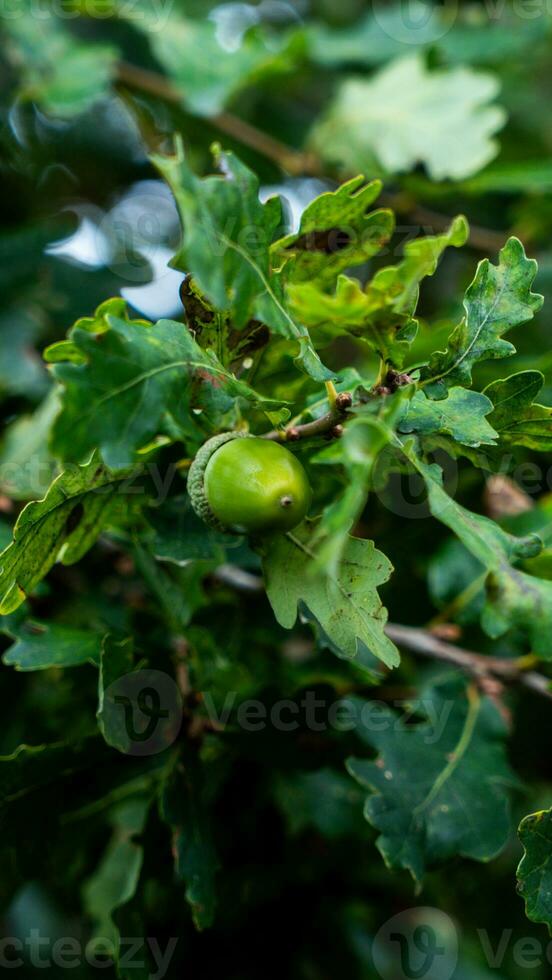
[461,415]
[534,872]
[517,420]
[372,40]
[121,688]
[381,313]
[357,451]
[367,314]
[184,808]
[453,571]
[227,234]
[116,662]
[179,593]
[115,880]
[516,599]
[132,381]
[384,33]
[345,605]
[407,114]
[513,598]
[205,71]
[420,259]
[457,801]
[67,350]
[181,537]
[336,231]
[498,299]
[486,541]
[21,370]
[63,74]
[5,535]
[325,799]
[39,646]
[26,466]
[62,527]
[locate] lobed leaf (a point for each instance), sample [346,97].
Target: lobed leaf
[183,808]
[345,605]
[518,421]
[226,247]
[131,381]
[65,75]
[336,231]
[115,880]
[437,789]
[381,313]
[357,451]
[535,868]
[498,299]
[205,70]
[461,415]
[407,114]
[514,598]
[60,527]
[39,646]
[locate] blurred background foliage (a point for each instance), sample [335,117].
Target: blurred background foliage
[450,105]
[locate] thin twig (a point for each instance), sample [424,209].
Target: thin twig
[328,424]
[424,643]
[238,578]
[293,161]
[429,221]
[478,665]
[152,83]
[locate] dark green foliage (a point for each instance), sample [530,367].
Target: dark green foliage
[329,225]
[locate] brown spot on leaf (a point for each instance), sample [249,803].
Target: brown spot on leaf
[328,242]
[197,312]
[202,374]
[253,336]
[504,498]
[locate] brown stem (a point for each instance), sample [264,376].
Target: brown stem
[328,424]
[478,665]
[425,644]
[429,221]
[296,162]
[152,83]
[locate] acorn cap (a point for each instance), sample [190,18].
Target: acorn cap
[196,488]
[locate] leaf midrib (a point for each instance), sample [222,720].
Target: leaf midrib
[458,753]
